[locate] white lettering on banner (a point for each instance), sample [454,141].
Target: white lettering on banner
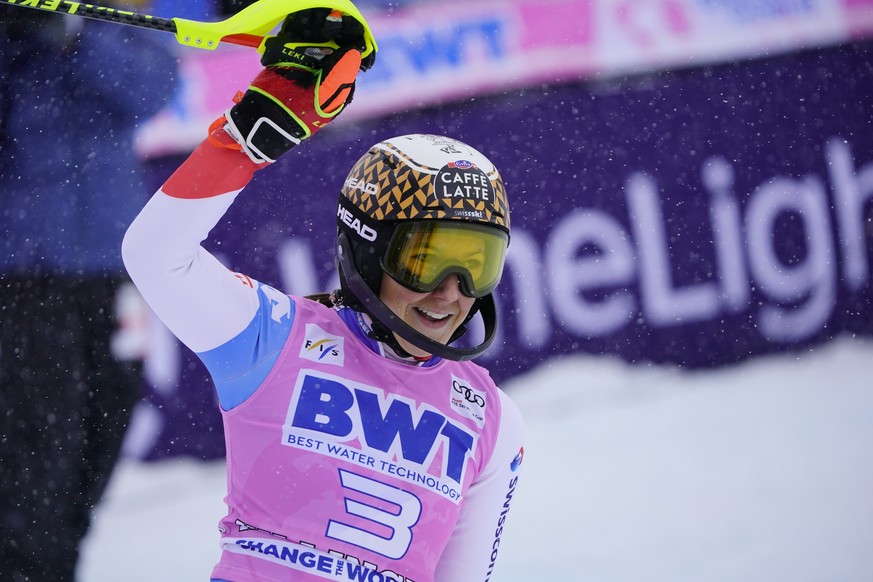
[744,261]
[852,191]
[596,275]
[718,177]
[814,278]
[611,266]
[663,303]
[448,45]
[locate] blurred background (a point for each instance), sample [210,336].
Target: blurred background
[687,312]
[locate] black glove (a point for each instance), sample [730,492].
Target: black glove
[308,78]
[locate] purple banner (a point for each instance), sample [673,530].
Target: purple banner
[698,217]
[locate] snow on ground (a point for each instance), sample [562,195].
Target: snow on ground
[761,472]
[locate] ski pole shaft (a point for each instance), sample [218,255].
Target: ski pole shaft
[99,13]
[129,18]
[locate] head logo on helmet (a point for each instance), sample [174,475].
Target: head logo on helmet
[413,178]
[347,218]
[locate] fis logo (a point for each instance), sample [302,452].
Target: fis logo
[320,346]
[467,401]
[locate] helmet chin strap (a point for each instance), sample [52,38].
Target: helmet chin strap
[388,318]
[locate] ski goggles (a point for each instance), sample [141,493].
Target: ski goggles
[422,254]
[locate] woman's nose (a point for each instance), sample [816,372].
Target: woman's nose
[449,289]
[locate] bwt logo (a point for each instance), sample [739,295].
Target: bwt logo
[336,409]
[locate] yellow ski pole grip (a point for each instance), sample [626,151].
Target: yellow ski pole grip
[249,26]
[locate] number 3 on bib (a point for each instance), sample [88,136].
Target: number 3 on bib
[400,522]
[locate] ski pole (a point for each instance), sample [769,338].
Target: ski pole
[248,27]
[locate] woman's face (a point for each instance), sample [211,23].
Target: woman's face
[436,314]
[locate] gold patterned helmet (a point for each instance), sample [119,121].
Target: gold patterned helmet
[417,191]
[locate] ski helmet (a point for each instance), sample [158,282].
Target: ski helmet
[422,192]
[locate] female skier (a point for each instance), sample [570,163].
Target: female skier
[361,445]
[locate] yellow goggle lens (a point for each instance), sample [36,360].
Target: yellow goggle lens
[422,254]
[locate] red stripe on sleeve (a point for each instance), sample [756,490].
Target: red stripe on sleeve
[211,170]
